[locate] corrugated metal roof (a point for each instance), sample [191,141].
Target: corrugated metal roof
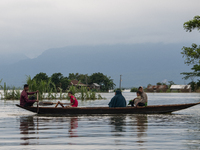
[178,87]
[95,84]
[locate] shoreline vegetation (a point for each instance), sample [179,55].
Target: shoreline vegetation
[48,90]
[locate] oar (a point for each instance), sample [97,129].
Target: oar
[37,103]
[50,103]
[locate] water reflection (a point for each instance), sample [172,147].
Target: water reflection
[118,123]
[33,127]
[27,127]
[141,124]
[73,127]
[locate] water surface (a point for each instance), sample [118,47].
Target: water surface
[21,129]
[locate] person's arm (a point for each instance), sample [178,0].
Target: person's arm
[73,101]
[27,100]
[31,93]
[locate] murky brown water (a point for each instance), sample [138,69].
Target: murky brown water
[20,129]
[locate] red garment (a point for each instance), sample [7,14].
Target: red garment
[24,98]
[72,98]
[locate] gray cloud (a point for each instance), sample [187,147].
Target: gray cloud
[32,26]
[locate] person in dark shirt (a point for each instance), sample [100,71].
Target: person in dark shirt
[24,101]
[118,100]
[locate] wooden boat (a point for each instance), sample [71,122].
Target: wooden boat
[156,109]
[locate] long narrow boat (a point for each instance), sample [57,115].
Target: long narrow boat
[156,109]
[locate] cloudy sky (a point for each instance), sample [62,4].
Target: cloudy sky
[33,26]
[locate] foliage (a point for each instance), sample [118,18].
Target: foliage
[171,83]
[83,78]
[117,89]
[192,24]
[1,87]
[160,83]
[134,89]
[192,54]
[104,81]
[41,76]
[11,93]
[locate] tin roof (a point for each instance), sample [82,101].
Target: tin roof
[179,87]
[95,84]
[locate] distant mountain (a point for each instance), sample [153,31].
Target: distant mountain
[139,64]
[8,59]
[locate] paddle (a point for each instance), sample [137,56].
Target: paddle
[50,103]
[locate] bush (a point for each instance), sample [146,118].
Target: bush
[134,89]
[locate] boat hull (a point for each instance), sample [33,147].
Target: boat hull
[157,109]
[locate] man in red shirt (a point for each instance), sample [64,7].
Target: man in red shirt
[24,101]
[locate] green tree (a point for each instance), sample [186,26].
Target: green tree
[159,83]
[41,76]
[60,81]
[192,54]
[83,78]
[73,76]
[56,79]
[192,24]
[171,83]
[1,87]
[105,82]
[64,83]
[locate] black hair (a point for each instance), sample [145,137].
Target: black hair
[70,92]
[25,85]
[140,87]
[139,92]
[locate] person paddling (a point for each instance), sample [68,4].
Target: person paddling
[73,101]
[24,101]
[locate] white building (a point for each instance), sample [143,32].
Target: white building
[181,88]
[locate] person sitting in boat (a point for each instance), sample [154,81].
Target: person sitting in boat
[73,101]
[136,100]
[24,101]
[144,98]
[118,100]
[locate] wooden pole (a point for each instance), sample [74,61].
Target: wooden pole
[120,82]
[37,103]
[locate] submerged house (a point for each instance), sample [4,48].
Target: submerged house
[77,83]
[181,88]
[157,88]
[95,86]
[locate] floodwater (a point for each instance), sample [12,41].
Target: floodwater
[23,130]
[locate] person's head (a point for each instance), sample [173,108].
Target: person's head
[139,93]
[140,89]
[26,87]
[118,92]
[70,93]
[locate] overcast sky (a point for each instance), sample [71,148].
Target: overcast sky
[33,26]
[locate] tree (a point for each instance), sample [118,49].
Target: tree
[192,24]
[192,54]
[83,78]
[60,81]
[73,76]
[160,83]
[41,76]
[105,82]
[171,83]
[64,83]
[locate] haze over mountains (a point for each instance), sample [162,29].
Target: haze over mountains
[139,64]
